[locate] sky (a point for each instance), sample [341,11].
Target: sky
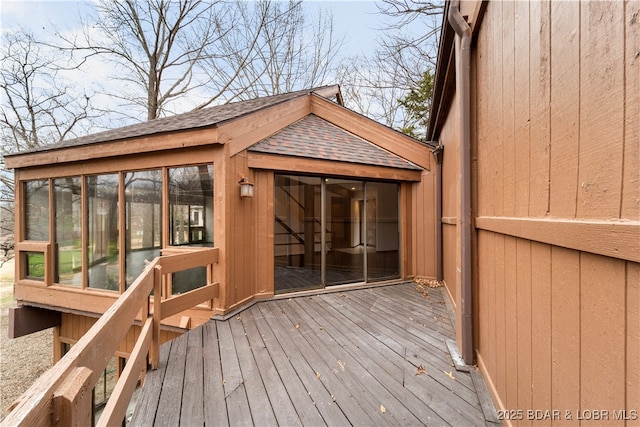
[357,20]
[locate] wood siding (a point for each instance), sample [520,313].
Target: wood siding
[450,139]
[74,326]
[422,233]
[556,143]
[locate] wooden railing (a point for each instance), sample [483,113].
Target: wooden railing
[62,395]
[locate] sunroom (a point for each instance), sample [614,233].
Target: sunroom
[285,194]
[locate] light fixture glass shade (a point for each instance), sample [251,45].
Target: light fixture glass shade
[246,189]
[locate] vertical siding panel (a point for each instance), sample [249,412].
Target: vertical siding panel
[508,105]
[420,217]
[541,328]
[484,97]
[449,258]
[430,224]
[233,206]
[539,98]
[501,308]
[511,321]
[77,326]
[67,325]
[496,113]
[522,114]
[602,333]
[489,108]
[482,343]
[565,331]
[601,109]
[492,307]
[418,254]
[523,311]
[565,97]
[247,232]
[633,340]
[264,274]
[631,184]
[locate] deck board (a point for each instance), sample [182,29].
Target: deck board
[215,407]
[147,404]
[192,409]
[340,358]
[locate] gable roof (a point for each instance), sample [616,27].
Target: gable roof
[205,117]
[316,138]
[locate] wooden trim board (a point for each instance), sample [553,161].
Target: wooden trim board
[616,239]
[328,167]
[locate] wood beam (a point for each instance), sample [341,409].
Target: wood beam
[328,167]
[146,144]
[25,320]
[616,239]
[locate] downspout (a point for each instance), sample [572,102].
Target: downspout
[462,29]
[438,153]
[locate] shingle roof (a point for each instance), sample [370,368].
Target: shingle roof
[191,120]
[313,137]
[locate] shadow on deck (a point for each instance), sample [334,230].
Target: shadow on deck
[373,356]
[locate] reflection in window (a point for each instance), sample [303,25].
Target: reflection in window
[143,207]
[344,213]
[383,231]
[191,205]
[36,210]
[33,265]
[191,218]
[102,222]
[297,232]
[68,245]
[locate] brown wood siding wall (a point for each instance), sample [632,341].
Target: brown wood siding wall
[422,204]
[74,326]
[556,137]
[249,233]
[450,137]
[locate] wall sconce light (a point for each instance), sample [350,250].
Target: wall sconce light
[246,188]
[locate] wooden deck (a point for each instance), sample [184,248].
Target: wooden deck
[372,356]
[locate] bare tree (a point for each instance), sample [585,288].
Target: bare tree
[185,54]
[418,46]
[376,85]
[292,51]
[372,87]
[39,106]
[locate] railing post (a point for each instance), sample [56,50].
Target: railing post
[157,318]
[72,400]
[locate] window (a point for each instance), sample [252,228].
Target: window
[68,231]
[297,232]
[330,231]
[143,211]
[191,218]
[344,212]
[102,232]
[383,231]
[191,205]
[36,210]
[33,265]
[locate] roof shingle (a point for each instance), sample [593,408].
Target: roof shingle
[191,120]
[313,137]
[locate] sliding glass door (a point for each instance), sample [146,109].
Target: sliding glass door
[344,212]
[383,231]
[297,232]
[330,231]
